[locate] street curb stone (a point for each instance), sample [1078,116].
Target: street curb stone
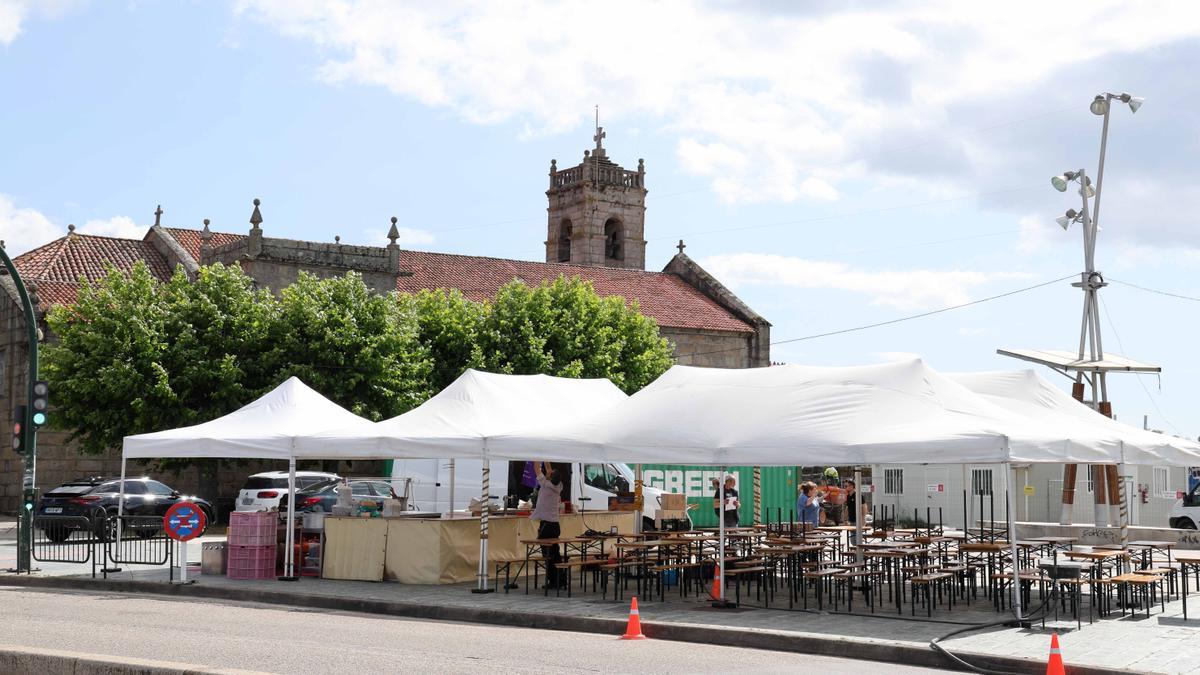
[867,650]
[15,659]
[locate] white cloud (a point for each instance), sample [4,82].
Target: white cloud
[23,228]
[769,105]
[14,12]
[901,289]
[117,226]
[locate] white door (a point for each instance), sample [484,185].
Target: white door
[937,493]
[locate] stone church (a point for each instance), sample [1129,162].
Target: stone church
[595,230]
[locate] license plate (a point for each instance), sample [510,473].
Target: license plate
[53,509]
[248,501]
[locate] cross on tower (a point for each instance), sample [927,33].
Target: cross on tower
[599,138]
[681,247]
[158,215]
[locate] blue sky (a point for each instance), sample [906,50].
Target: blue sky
[837,164]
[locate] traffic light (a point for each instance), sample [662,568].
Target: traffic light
[41,403]
[18,425]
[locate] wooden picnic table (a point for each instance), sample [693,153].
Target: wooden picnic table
[1187,559]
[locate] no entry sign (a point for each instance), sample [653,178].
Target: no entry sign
[184,521]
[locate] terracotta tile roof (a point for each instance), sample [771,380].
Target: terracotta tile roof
[57,267]
[190,240]
[665,297]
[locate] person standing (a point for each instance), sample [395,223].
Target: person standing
[546,513]
[808,505]
[716,486]
[852,510]
[731,503]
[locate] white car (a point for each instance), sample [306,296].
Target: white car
[263,491]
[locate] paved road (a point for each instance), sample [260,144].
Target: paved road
[282,640]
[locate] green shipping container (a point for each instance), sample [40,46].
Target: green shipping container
[778,489]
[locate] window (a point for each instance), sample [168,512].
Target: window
[614,240]
[157,488]
[1162,482]
[1091,477]
[893,481]
[132,487]
[564,240]
[382,489]
[604,477]
[981,482]
[360,489]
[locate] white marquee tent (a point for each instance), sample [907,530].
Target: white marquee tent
[267,428]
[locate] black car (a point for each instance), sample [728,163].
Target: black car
[322,496]
[90,501]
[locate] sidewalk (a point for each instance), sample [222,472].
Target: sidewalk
[1161,644]
[8,527]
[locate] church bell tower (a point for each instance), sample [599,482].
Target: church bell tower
[597,212]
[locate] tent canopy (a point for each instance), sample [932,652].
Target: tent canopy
[458,422]
[266,428]
[800,415]
[1029,396]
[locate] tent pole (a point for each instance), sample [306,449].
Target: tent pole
[1123,496]
[289,562]
[758,495]
[721,542]
[121,503]
[637,498]
[451,509]
[858,515]
[484,513]
[1010,482]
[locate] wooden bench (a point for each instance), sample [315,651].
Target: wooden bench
[928,581]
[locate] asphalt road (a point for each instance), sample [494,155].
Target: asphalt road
[290,640]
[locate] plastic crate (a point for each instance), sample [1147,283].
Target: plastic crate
[251,562]
[252,528]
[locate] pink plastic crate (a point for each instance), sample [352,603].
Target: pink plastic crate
[250,562]
[252,528]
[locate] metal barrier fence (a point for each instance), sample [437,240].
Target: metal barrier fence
[101,540]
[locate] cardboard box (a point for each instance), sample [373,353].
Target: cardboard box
[673,502]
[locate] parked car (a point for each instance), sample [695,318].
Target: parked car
[263,491]
[97,498]
[322,496]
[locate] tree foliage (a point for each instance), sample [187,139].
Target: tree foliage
[135,355]
[565,328]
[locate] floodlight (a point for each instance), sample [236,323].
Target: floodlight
[1135,102]
[1063,222]
[1060,182]
[1099,105]
[1087,190]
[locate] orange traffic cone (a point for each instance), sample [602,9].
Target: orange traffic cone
[716,589]
[1055,665]
[633,630]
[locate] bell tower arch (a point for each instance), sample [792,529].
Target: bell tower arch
[597,212]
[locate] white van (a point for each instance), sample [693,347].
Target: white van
[590,486]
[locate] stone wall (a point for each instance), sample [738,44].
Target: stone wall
[714,348]
[281,260]
[588,206]
[758,346]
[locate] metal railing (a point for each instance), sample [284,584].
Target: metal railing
[141,541]
[102,539]
[65,539]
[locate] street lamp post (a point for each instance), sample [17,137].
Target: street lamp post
[28,427]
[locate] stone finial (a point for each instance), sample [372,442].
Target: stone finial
[681,246]
[393,233]
[256,217]
[254,242]
[641,165]
[158,216]
[206,248]
[71,228]
[337,239]
[553,165]
[206,234]
[587,153]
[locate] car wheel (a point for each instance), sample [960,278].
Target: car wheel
[57,534]
[104,526]
[1186,524]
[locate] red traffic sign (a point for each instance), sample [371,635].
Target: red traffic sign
[184,521]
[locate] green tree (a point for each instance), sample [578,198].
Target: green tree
[134,355]
[358,348]
[565,328]
[448,325]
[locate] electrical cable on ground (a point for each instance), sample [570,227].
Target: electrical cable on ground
[900,319]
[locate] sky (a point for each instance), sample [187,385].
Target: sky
[837,164]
